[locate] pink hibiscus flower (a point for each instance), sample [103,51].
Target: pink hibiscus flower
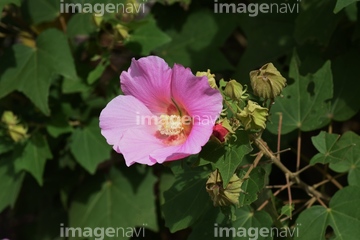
[166,114]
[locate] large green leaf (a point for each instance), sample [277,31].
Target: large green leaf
[304,103]
[188,195]
[43,10]
[10,182]
[351,161]
[33,157]
[146,38]
[89,146]
[123,201]
[215,225]
[226,158]
[35,67]
[343,216]
[194,43]
[332,148]
[252,186]
[340,4]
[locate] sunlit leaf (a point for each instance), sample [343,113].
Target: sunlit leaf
[332,148]
[351,160]
[343,216]
[227,158]
[304,103]
[35,67]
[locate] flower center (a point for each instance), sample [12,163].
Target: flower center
[170,125]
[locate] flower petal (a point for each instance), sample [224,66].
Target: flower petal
[195,95]
[121,114]
[198,137]
[148,79]
[137,145]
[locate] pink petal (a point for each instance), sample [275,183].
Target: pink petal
[197,138]
[195,94]
[148,79]
[121,114]
[137,145]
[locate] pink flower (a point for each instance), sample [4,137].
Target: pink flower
[166,114]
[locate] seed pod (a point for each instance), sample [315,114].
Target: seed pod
[267,82]
[211,77]
[219,195]
[253,116]
[235,90]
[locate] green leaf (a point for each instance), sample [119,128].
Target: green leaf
[226,158]
[304,103]
[74,85]
[316,22]
[81,24]
[332,148]
[33,157]
[343,216]
[89,146]
[35,67]
[43,10]
[287,210]
[252,186]
[189,195]
[10,182]
[58,125]
[215,225]
[340,4]
[351,161]
[98,71]
[146,38]
[123,201]
[194,43]
[3,3]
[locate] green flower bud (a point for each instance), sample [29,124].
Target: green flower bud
[211,77]
[9,118]
[16,131]
[253,116]
[219,195]
[267,82]
[235,90]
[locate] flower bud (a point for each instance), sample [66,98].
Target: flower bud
[9,118]
[253,116]
[235,90]
[16,131]
[267,82]
[211,77]
[220,132]
[224,196]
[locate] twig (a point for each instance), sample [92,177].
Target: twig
[293,176]
[298,154]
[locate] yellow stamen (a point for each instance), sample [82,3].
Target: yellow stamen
[170,125]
